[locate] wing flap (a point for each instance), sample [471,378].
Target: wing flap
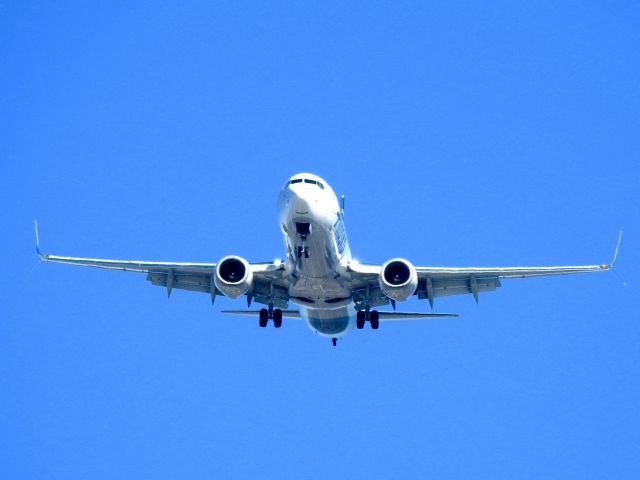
[183,281]
[444,287]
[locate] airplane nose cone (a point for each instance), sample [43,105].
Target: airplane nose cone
[300,200]
[301,206]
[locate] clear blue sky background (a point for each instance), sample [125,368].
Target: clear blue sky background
[461,133]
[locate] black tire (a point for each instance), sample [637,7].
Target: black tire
[374,318]
[360,319]
[264,317]
[277,318]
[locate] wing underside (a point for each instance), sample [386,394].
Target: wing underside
[195,277]
[436,282]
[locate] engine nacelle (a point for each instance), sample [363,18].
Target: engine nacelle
[398,279]
[233,276]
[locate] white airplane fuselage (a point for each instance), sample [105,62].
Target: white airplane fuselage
[312,223]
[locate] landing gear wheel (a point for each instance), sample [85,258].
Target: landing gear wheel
[264,317]
[360,318]
[299,252]
[374,318]
[334,341]
[277,318]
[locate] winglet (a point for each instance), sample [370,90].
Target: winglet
[615,255]
[35,222]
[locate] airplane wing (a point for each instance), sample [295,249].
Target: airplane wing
[444,281]
[196,277]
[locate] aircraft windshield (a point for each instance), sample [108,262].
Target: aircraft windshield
[306,180]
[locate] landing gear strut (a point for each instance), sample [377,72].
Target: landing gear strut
[334,341]
[363,315]
[266,315]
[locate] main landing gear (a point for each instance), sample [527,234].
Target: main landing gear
[271,314]
[304,250]
[363,315]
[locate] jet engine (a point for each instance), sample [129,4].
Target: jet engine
[398,279]
[233,276]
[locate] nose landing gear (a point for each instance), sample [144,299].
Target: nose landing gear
[303,229]
[334,341]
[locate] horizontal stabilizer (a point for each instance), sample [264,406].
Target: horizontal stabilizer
[413,315]
[383,315]
[285,313]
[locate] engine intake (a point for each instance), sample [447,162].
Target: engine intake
[398,279]
[233,276]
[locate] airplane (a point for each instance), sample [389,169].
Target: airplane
[333,292]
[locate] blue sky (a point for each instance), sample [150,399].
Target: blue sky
[461,133]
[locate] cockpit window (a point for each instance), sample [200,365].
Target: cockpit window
[314,182]
[306,180]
